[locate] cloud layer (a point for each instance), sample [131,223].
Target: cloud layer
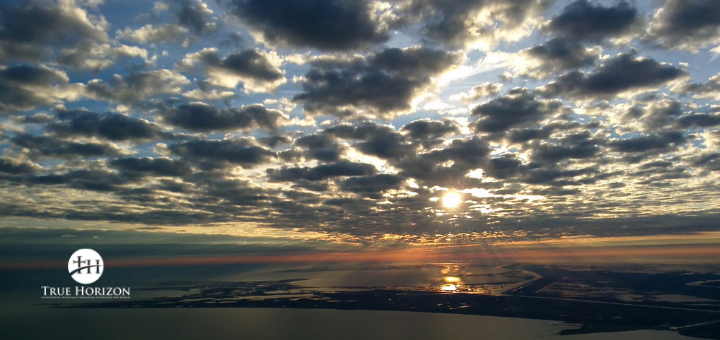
[349,121]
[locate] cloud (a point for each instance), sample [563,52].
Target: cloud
[524,135]
[372,184]
[37,118]
[686,25]
[136,87]
[557,178]
[152,34]
[202,117]
[93,180]
[471,23]
[707,160]
[216,154]
[464,152]
[138,167]
[194,15]
[310,112]
[663,141]
[111,126]
[654,115]
[188,17]
[577,146]
[274,141]
[322,147]
[623,74]
[447,167]
[97,57]
[478,91]
[59,31]
[25,87]
[31,28]
[583,20]
[708,90]
[257,71]
[699,120]
[51,147]
[430,129]
[518,106]
[376,140]
[326,25]
[382,85]
[16,167]
[321,172]
[558,54]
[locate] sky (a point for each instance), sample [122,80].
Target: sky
[326,126]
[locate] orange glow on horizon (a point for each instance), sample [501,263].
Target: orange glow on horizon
[410,255]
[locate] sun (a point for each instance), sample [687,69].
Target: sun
[451,200]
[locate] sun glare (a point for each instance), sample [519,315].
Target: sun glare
[451,200]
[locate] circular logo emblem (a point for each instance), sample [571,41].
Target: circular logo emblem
[85,266]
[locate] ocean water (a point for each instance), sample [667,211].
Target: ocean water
[40,322]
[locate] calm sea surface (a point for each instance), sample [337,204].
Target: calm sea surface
[37,322]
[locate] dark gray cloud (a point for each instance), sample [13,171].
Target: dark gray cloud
[37,118]
[322,172]
[658,142]
[430,129]
[372,184]
[315,141]
[325,25]
[258,71]
[699,120]
[322,147]
[447,166]
[465,152]
[206,118]
[518,106]
[621,74]
[649,113]
[583,20]
[687,25]
[249,63]
[560,54]
[707,160]
[707,90]
[486,89]
[376,140]
[194,15]
[51,147]
[138,167]
[29,30]
[94,180]
[557,177]
[506,166]
[25,87]
[660,114]
[137,86]
[460,23]
[189,21]
[524,135]
[360,131]
[577,146]
[16,167]
[381,85]
[215,154]
[111,126]
[385,145]
[273,141]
